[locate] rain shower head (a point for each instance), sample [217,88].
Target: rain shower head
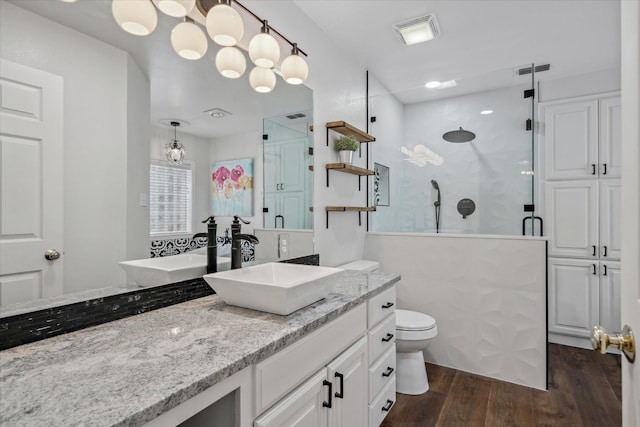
[460,135]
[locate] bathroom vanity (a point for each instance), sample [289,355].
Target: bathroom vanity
[204,359]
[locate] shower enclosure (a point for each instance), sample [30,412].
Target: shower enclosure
[462,163]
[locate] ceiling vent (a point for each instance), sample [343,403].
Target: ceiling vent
[295,116]
[537,69]
[217,113]
[418,30]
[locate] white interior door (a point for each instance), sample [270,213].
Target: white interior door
[30,183]
[630,304]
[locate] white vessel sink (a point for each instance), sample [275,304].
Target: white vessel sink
[170,269]
[274,287]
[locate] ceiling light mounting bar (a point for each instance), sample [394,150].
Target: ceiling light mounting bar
[264,22]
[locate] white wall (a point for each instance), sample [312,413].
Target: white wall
[97,125]
[487,294]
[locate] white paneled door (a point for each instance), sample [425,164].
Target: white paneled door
[31,191]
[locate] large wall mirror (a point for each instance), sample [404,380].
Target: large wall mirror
[111,131]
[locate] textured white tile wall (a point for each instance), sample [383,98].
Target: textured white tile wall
[487,294]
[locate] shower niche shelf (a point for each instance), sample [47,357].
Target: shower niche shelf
[345,128]
[358,209]
[347,168]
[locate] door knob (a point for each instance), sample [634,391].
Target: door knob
[51,254]
[622,341]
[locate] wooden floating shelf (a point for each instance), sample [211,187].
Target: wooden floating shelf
[344,167]
[345,128]
[358,209]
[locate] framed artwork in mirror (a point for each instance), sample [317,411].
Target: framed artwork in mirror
[232,187]
[380,185]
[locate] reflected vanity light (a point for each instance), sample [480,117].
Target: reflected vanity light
[432,84]
[485,112]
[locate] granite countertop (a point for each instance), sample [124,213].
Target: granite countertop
[129,371]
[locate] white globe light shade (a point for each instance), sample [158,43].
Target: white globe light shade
[294,69]
[224,25]
[262,80]
[230,62]
[175,8]
[137,17]
[264,50]
[189,41]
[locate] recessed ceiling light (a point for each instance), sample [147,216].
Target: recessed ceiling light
[217,113]
[485,112]
[418,30]
[432,85]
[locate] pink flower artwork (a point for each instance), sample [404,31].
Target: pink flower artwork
[232,188]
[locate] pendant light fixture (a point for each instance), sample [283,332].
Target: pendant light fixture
[136,17]
[294,69]
[174,150]
[224,24]
[264,50]
[175,8]
[230,62]
[188,40]
[262,80]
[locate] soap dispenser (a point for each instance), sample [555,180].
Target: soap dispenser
[212,245]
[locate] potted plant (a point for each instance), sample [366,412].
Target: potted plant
[345,146]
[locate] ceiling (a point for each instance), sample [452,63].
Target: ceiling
[482,42]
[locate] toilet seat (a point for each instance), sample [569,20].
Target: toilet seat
[407,320]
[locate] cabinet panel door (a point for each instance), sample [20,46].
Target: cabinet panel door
[573,296]
[610,137]
[292,206]
[572,218]
[349,375]
[610,214]
[293,165]
[302,408]
[610,296]
[571,140]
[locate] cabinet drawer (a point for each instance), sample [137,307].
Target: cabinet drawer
[282,372]
[383,403]
[382,337]
[381,371]
[381,306]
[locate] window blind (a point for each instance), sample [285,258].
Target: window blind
[170,198]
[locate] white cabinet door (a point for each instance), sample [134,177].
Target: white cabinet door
[610,137]
[610,201]
[571,140]
[304,407]
[349,375]
[610,296]
[573,296]
[293,165]
[572,217]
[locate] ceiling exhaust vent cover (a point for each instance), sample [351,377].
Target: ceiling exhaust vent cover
[418,30]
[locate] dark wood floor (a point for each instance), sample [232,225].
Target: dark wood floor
[584,390]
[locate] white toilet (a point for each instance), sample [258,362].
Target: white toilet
[414,332]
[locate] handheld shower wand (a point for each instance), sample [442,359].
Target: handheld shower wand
[436,204]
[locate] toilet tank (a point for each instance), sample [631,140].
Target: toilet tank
[361,265]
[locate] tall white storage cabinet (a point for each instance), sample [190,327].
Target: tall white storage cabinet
[582,211]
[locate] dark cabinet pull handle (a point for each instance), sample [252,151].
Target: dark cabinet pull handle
[593,168]
[340,394]
[594,249]
[388,338]
[605,270]
[388,305]
[605,168]
[388,406]
[594,269]
[388,372]
[604,250]
[327,404]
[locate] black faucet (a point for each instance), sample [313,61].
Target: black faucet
[212,246]
[236,237]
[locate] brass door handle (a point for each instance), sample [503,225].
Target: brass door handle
[51,255]
[623,341]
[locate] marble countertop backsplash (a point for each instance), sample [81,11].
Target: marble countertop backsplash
[129,371]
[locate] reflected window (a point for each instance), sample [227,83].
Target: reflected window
[170,198]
